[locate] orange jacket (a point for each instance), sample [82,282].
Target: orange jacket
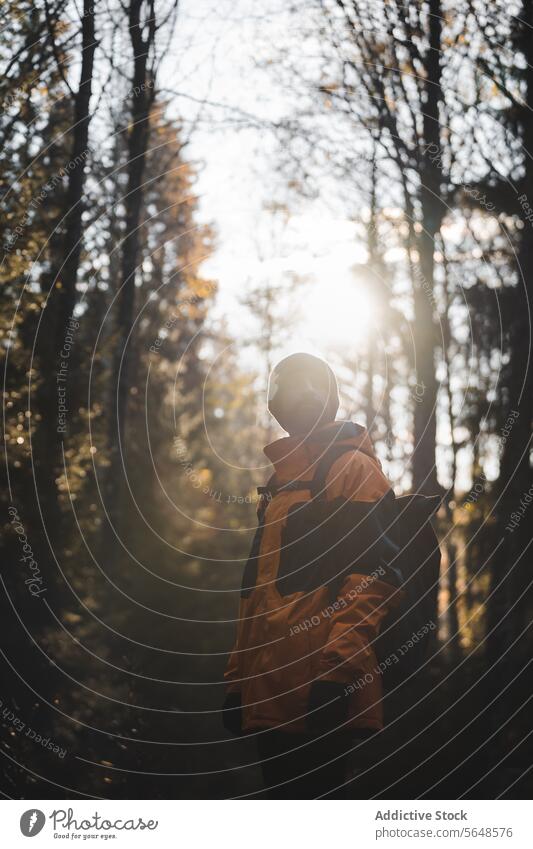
[285,642]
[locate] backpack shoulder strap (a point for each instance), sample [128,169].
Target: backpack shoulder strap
[317,484]
[271,489]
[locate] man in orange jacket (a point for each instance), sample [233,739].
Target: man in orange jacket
[302,673]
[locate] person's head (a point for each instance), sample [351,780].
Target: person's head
[302,393]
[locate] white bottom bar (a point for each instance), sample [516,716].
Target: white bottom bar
[259,824]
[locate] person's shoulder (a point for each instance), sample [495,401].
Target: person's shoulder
[358,477]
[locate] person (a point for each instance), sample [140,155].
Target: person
[302,673]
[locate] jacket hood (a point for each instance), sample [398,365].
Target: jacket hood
[293,456]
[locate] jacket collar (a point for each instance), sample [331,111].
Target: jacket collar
[293,456]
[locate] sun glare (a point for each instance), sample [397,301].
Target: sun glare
[337,313]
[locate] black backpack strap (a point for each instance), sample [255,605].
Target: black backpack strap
[266,493]
[249,577]
[323,468]
[317,484]
[271,489]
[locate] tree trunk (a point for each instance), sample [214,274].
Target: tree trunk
[61,288]
[508,612]
[425,422]
[123,359]
[68,274]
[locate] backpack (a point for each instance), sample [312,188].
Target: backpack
[391,539]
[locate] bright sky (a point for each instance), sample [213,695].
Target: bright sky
[238,177]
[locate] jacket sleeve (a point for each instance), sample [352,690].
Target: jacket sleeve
[364,600]
[355,622]
[231,675]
